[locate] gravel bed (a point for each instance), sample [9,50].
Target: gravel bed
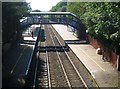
[57,77]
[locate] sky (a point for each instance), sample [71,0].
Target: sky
[42,5]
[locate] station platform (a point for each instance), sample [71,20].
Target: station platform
[103,72]
[17,59]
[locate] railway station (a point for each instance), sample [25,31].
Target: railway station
[56,53]
[73,45]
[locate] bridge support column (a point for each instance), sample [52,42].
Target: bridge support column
[81,32]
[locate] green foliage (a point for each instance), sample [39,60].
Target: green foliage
[102,20]
[11,14]
[60,7]
[77,8]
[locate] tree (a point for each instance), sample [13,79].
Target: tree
[60,7]
[102,20]
[12,12]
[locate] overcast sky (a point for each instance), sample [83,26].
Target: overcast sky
[42,5]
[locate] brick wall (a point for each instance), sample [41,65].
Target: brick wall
[110,54]
[93,42]
[114,59]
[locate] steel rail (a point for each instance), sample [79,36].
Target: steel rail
[71,61]
[60,62]
[48,68]
[85,69]
[12,71]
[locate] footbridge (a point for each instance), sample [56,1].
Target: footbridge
[66,18]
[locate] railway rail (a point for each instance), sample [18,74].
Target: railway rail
[72,75]
[56,65]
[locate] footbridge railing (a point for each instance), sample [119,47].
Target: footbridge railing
[66,18]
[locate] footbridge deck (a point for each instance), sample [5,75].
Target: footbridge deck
[66,18]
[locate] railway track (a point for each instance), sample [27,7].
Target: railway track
[72,75]
[56,65]
[60,69]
